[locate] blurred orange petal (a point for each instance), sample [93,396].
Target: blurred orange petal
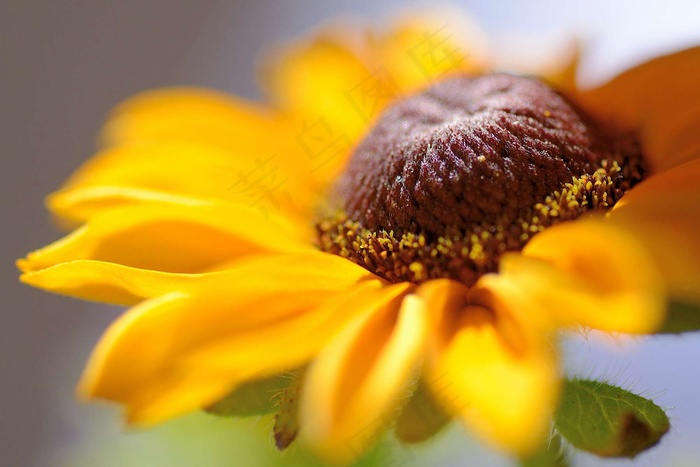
[353,387]
[660,99]
[574,270]
[156,357]
[171,238]
[663,213]
[489,372]
[163,171]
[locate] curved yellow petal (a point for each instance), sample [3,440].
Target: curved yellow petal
[158,351]
[107,282]
[185,114]
[172,238]
[295,338]
[75,206]
[172,171]
[661,99]
[444,297]
[172,398]
[587,273]
[124,285]
[113,367]
[256,352]
[673,190]
[425,46]
[132,372]
[332,93]
[353,386]
[663,213]
[498,378]
[315,78]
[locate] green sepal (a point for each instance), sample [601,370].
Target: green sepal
[421,418]
[552,455]
[257,397]
[286,427]
[607,420]
[682,317]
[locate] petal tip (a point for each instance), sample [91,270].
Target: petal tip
[25,266]
[86,389]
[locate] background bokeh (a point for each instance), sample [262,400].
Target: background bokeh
[64,63]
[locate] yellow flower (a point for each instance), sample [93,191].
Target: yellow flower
[209,215]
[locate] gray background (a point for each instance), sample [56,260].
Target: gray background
[64,63]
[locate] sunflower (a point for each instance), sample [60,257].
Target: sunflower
[399,227]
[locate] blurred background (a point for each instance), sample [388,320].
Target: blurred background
[65,63]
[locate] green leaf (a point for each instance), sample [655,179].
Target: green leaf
[258,397]
[551,455]
[682,317]
[608,421]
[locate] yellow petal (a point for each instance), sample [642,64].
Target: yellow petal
[172,398]
[313,78]
[190,173]
[153,359]
[73,207]
[673,190]
[171,238]
[661,98]
[331,92]
[106,282]
[123,285]
[495,376]
[134,364]
[133,375]
[352,387]
[587,273]
[663,213]
[429,45]
[294,338]
[184,114]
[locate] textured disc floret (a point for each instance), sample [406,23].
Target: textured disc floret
[451,178]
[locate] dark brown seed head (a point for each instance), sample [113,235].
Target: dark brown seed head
[450,179]
[468,150]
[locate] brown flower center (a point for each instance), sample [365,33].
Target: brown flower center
[451,178]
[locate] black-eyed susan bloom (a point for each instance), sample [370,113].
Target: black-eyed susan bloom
[404,231]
